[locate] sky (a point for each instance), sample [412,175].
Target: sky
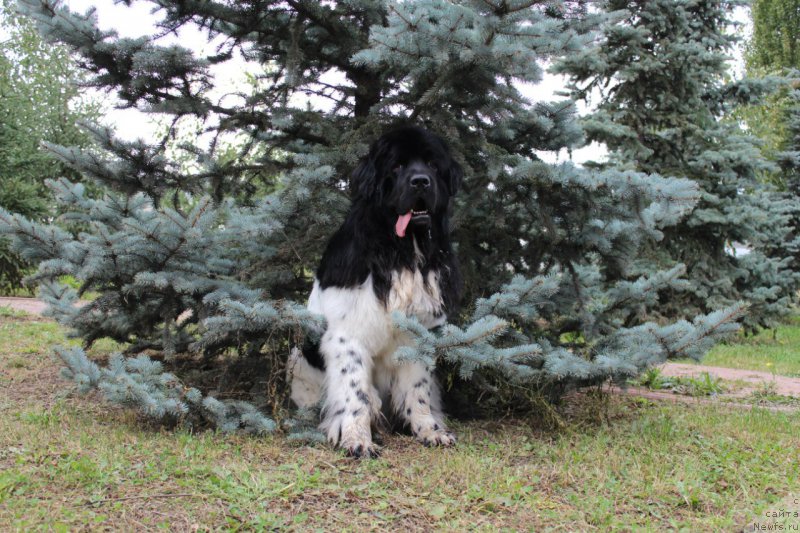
[138,19]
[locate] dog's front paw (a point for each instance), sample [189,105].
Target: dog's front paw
[368,451]
[436,436]
[358,443]
[356,440]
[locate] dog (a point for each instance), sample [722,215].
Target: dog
[392,253]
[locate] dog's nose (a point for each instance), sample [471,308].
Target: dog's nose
[420,181]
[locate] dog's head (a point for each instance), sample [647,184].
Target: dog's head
[410,174]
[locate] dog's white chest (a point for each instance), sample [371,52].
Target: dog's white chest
[416,296]
[359,314]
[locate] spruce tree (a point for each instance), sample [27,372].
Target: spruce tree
[216,262]
[660,82]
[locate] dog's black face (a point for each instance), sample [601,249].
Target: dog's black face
[410,174]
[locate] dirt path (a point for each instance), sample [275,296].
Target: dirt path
[751,380]
[720,399]
[29,305]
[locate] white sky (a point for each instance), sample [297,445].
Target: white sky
[138,19]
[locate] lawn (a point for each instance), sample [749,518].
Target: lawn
[776,351]
[69,462]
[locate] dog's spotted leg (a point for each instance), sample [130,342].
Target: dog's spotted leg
[351,402]
[416,398]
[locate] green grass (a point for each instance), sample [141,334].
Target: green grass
[70,462]
[776,351]
[7,312]
[21,333]
[766,394]
[24,292]
[703,385]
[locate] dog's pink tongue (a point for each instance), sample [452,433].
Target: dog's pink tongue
[401,224]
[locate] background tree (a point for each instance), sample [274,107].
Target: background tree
[664,92]
[772,49]
[191,266]
[39,100]
[788,160]
[776,28]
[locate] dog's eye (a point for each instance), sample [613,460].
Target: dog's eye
[397,169]
[432,166]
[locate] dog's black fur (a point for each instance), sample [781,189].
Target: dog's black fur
[382,190]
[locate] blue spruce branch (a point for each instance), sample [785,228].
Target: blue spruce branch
[141,383]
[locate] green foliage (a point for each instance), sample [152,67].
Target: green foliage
[772,49]
[39,100]
[776,30]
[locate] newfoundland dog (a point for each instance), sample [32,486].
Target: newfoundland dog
[391,254]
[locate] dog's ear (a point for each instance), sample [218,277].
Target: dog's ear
[364,180]
[456,175]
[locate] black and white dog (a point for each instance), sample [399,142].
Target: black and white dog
[391,254]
